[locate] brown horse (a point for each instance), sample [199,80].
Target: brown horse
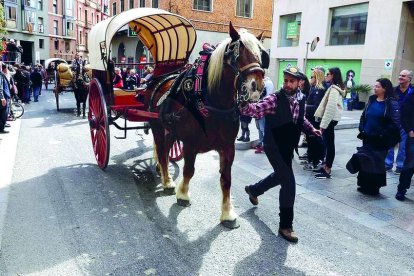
[234,71]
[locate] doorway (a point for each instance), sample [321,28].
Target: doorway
[27,55]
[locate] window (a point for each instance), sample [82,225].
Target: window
[56,44]
[40,5]
[113,8]
[97,18]
[30,21]
[131,4]
[289,30]
[67,47]
[55,27]
[55,6]
[41,28]
[349,24]
[11,16]
[155,3]
[41,43]
[141,3]
[69,7]
[244,8]
[202,5]
[30,3]
[69,28]
[122,5]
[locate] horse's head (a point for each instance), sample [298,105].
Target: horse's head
[248,58]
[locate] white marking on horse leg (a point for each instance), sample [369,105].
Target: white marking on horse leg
[182,190]
[227,211]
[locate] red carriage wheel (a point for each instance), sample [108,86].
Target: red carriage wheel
[98,123]
[176,151]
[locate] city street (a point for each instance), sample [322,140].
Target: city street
[61,215]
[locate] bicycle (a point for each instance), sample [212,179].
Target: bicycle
[16,108]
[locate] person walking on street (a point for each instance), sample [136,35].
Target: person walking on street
[329,113]
[379,122]
[316,148]
[404,87]
[284,119]
[36,79]
[407,122]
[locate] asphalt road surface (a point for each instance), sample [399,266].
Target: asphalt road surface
[65,216]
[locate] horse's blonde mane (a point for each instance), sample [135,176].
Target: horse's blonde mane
[215,66]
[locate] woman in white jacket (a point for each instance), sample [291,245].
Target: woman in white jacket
[329,113]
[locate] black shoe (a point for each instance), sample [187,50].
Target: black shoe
[368,192]
[323,174]
[4,131]
[400,196]
[253,199]
[7,125]
[247,139]
[241,138]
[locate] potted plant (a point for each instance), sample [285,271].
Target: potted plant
[361,92]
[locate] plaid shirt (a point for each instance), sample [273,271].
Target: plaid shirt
[268,106]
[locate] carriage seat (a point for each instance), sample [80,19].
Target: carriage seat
[125,97]
[65,74]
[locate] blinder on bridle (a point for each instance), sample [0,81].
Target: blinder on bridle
[232,54]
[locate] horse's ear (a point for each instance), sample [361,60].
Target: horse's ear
[233,33]
[260,37]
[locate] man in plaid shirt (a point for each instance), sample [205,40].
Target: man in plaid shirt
[285,119]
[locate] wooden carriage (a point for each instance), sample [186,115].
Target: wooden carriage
[170,39]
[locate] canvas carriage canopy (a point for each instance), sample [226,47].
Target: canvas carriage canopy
[58,60]
[169,37]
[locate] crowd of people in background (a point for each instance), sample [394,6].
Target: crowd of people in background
[387,121]
[128,78]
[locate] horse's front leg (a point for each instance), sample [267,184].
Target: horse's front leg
[183,197]
[228,216]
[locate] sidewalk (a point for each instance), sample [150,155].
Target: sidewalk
[350,119]
[8,146]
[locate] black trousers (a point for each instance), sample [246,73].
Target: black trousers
[280,157]
[329,141]
[3,116]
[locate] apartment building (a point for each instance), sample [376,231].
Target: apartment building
[373,38]
[210,17]
[88,13]
[27,23]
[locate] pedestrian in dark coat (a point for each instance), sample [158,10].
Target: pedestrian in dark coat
[379,120]
[284,121]
[36,79]
[407,123]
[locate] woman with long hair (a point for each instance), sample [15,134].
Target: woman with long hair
[329,113]
[379,119]
[316,149]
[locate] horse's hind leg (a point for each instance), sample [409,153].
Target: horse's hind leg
[183,197]
[228,216]
[83,109]
[162,150]
[78,112]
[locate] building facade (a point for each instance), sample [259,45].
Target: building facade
[52,28]
[88,13]
[372,38]
[27,24]
[210,17]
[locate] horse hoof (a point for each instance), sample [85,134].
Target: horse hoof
[169,190]
[183,202]
[231,224]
